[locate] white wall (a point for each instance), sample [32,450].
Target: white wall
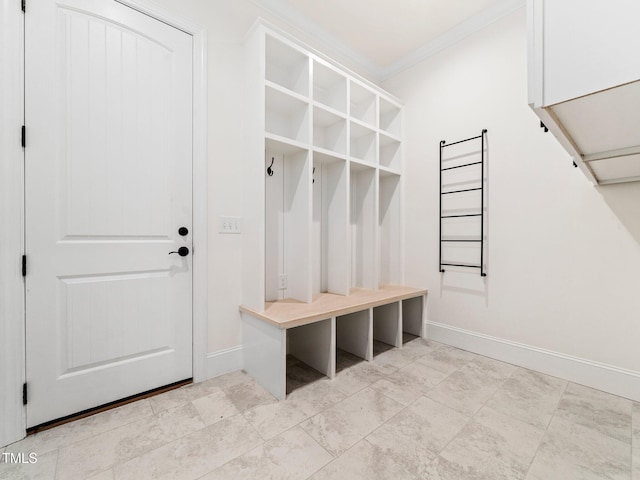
[563,269]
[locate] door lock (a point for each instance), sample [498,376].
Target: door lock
[183,231]
[182,251]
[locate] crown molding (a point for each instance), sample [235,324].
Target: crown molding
[473,24]
[452,36]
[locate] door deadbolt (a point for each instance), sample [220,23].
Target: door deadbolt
[183,231]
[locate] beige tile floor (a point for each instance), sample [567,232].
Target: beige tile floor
[427,411]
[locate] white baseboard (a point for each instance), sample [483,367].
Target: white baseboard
[619,381]
[224,361]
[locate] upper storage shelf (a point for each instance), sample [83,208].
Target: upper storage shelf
[287,66]
[329,87]
[322,188]
[584,82]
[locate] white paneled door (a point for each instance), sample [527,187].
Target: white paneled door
[108,172]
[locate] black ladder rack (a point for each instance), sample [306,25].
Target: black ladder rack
[443,145]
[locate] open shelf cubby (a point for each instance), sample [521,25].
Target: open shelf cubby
[329,131]
[412,317]
[330,225]
[390,118]
[387,324]
[286,115]
[362,104]
[286,66]
[353,334]
[329,87]
[389,151]
[362,143]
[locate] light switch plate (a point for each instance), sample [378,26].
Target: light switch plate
[230,225]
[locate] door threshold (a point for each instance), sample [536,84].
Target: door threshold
[107,406]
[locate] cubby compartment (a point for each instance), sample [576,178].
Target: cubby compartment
[287,222]
[389,152]
[363,224]
[387,326]
[362,104]
[286,66]
[286,116]
[330,228]
[354,333]
[329,87]
[329,131]
[413,317]
[389,227]
[390,117]
[362,143]
[311,344]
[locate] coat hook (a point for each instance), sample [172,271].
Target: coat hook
[269,169]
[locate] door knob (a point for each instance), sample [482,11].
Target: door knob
[182,251]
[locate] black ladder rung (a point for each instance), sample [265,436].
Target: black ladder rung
[459,265]
[460,166]
[450,240]
[444,144]
[460,191]
[460,216]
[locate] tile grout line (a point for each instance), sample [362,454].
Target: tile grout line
[472,416]
[546,430]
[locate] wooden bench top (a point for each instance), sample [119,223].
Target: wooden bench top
[290,313]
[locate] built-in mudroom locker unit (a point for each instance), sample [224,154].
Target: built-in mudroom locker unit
[323,200]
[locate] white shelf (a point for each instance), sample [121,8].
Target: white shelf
[286,66]
[362,142]
[387,172]
[328,154]
[390,119]
[283,145]
[362,104]
[286,115]
[389,154]
[329,87]
[329,131]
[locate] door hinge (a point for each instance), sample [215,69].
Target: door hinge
[24,394]
[24,265]
[23,4]
[23,136]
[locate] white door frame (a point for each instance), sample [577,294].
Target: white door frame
[12,295]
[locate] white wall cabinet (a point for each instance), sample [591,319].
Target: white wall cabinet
[322,173]
[584,82]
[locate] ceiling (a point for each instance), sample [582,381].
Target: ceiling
[386,36]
